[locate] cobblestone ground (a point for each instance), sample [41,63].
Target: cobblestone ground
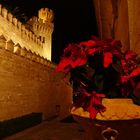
[50,130]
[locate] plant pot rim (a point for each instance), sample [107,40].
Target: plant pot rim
[117,100]
[116,109]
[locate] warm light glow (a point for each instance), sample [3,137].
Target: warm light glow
[47,47]
[37,39]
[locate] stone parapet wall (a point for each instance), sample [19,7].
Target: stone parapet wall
[46,15]
[14,30]
[41,28]
[29,84]
[17,49]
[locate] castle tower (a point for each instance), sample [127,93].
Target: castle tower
[47,16]
[43,27]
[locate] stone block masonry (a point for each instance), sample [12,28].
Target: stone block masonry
[28,86]
[36,35]
[28,82]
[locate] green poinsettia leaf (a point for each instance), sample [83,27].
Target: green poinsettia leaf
[112,94]
[99,82]
[117,66]
[136,99]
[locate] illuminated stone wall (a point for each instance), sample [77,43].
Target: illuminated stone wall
[114,18]
[37,37]
[29,84]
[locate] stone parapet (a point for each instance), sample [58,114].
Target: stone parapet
[34,40]
[2,41]
[9,45]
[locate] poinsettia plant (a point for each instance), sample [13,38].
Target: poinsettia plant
[100,69]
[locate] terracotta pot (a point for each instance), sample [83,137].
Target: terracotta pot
[120,121]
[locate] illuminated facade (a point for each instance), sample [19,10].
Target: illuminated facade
[35,35]
[28,81]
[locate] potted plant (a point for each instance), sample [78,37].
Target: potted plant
[101,71]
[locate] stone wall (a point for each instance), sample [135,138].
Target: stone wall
[14,30]
[119,19]
[29,84]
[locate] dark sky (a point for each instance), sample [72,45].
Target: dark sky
[74,20]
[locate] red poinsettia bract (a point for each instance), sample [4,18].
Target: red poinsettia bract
[95,105]
[107,59]
[73,56]
[135,72]
[102,68]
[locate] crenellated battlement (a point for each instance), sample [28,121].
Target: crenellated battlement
[32,38]
[10,46]
[42,25]
[42,28]
[25,56]
[46,15]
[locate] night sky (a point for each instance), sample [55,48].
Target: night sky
[74,20]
